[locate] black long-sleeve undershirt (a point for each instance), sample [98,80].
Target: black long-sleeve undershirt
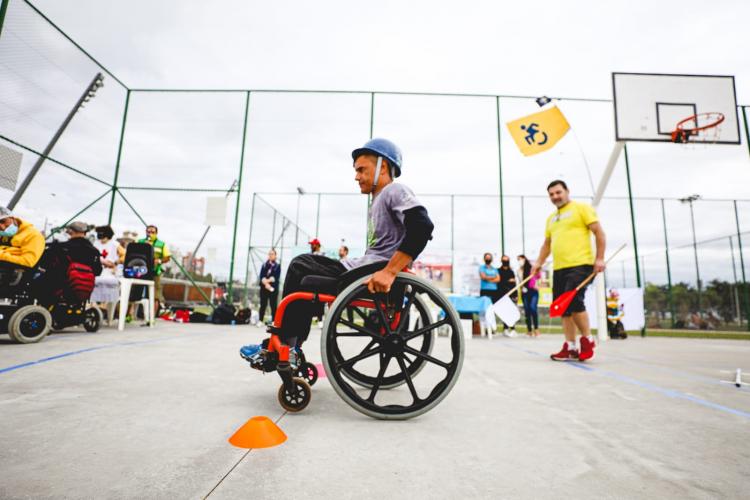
[418,231]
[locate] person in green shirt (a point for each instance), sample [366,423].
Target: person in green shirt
[161,257]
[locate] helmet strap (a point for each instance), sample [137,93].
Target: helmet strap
[377,173]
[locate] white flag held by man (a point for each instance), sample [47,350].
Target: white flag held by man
[507,311]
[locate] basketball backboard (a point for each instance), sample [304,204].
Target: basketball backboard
[648,107]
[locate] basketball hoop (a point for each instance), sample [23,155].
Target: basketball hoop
[704,126]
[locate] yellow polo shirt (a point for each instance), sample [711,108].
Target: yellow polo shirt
[568,231]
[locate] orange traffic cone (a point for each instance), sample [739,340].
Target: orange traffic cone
[258,432]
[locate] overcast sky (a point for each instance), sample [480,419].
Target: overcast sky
[566,49]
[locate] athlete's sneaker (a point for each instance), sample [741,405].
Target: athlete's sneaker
[565,354]
[250,351]
[587,349]
[513,333]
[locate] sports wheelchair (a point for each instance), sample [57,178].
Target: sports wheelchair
[31,306]
[380,351]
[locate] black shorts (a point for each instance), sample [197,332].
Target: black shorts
[567,279]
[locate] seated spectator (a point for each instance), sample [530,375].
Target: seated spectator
[20,242]
[60,254]
[79,248]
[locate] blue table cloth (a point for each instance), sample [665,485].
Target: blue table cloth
[469,304]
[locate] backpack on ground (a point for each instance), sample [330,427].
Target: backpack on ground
[223,314]
[243,316]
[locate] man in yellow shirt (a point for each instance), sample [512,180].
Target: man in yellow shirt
[20,242]
[568,237]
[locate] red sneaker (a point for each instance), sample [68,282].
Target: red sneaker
[565,354]
[587,349]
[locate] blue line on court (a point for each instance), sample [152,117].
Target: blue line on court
[645,385]
[81,351]
[680,373]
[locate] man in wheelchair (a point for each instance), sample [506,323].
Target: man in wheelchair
[398,230]
[21,243]
[21,247]
[69,267]
[49,291]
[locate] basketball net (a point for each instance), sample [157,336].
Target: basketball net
[704,128]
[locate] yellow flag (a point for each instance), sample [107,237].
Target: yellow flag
[538,132]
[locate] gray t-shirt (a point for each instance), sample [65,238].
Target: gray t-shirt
[385,226]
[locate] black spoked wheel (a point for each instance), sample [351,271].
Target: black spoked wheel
[93,319]
[29,324]
[391,347]
[308,372]
[418,316]
[298,398]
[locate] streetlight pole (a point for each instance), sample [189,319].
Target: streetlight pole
[87,95]
[689,200]
[300,192]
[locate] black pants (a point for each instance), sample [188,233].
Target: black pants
[268,299]
[530,303]
[298,315]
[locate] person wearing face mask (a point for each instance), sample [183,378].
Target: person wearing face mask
[529,296]
[20,242]
[161,257]
[111,253]
[489,277]
[506,284]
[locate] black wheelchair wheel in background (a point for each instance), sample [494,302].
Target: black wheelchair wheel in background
[380,351]
[29,324]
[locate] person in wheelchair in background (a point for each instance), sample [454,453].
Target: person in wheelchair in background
[398,230]
[21,246]
[69,266]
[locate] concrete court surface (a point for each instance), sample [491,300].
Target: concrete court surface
[146,413]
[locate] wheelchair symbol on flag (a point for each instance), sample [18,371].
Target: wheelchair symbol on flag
[531,132]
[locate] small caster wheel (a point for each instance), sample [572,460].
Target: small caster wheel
[298,399]
[308,372]
[94,318]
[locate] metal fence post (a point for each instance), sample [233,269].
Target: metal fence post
[119,157]
[249,251]
[230,286]
[695,253]
[500,175]
[669,271]
[747,129]
[632,225]
[317,218]
[369,196]
[372,112]
[273,229]
[736,294]
[746,292]
[453,251]
[523,227]
[3,10]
